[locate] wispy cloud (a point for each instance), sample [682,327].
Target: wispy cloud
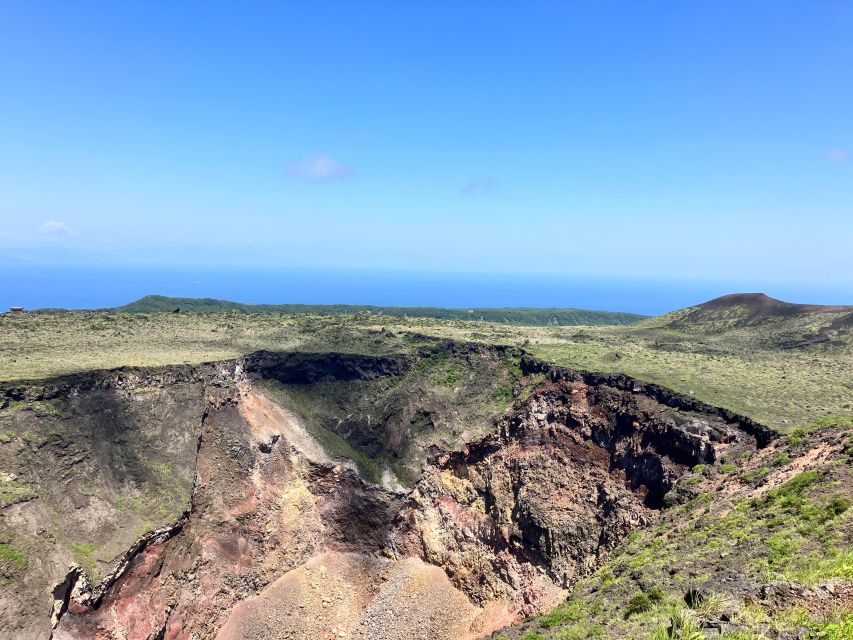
[838,154]
[319,167]
[54,229]
[482,185]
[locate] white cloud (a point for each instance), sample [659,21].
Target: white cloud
[482,185]
[837,155]
[54,229]
[319,167]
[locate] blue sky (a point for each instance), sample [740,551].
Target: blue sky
[708,140]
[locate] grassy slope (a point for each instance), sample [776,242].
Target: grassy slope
[739,365]
[508,315]
[740,530]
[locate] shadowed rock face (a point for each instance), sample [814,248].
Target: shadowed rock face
[282,541]
[87,466]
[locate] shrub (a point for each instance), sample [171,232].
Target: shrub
[837,506]
[788,497]
[643,601]
[504,395]
[681,626]
[756,474]
[639,603]
[840,629]
[781,459]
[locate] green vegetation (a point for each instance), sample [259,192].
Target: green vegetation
[11,559]
[162,502]
[766,368]
[751,519]
[444,398]
[681,625]
[308,403]
[799,434]
[767,526]
[504,395]
[643,601]
[755,475]
[85,555]
[781,459]
[507,315]
[12,492]
[782,514]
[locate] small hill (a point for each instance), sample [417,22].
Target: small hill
[759,306]
[768,320]
[522,316]
[739,309]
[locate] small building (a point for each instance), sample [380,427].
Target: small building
[16,309]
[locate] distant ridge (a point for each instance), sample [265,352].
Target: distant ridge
[509,315]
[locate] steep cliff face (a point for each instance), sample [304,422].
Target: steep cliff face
[90,463]
[282,537]
[267,500]
[521,514]
[387,413]
[95,465]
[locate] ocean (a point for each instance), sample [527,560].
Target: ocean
[86,287]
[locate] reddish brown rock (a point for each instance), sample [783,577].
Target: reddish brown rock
[283,542]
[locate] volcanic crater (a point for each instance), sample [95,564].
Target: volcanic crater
[285,537]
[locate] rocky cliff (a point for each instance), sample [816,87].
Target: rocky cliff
[255,529]
[570,472]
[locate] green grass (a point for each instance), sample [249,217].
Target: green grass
[798,530]
[745,368]
[568,612]
[841,628]
[680,625]
[85,555]
[11,558]
[799,434]
[643,601]
[819,567]
[504,396]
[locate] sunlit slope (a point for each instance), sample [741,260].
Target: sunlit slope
[782,365]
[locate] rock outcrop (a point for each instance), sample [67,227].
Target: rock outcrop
[521,514]
[280,539]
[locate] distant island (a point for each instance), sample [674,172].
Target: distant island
[522,316]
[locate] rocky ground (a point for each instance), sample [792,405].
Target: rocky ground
[618,495]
